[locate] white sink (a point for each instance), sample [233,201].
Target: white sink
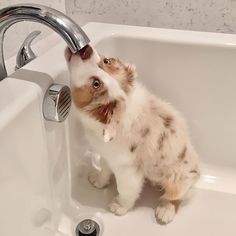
[43,169]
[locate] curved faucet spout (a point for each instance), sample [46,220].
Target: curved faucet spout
[57,21]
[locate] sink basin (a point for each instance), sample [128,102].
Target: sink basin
[43,167]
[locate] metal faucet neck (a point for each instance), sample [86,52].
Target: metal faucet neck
[57,21]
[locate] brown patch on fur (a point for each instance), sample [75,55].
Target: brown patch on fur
[125,86]
[103,93]
[162,157]
[145,132]
[194,172]
[171,191]
[131,73]
[103,112]
[176,203]
[82,96]
[161,140]
[86,52]
[133,147]
[185,162]
[167,120]
[172,188]
[181,156]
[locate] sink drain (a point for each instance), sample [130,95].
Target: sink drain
[87,227]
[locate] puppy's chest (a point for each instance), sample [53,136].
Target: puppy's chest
[115,150]
[96,139]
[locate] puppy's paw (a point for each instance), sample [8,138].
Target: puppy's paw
[117,208]
[96,179]
[165,212]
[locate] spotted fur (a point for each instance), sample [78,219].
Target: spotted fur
[138,135]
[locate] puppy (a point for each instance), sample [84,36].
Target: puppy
[139,136]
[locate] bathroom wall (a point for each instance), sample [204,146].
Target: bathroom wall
[203,15]
[16,34]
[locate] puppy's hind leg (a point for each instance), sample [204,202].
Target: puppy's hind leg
[175,193]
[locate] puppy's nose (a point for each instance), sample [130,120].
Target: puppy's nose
[86,52]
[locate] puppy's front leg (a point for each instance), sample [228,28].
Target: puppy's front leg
[100,179]
[129,185]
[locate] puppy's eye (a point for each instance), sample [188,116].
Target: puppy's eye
[106,61]
[96,84]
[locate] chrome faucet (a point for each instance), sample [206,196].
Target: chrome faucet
[74,36]
[57,100]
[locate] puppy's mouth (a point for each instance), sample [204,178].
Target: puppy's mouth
[86,52]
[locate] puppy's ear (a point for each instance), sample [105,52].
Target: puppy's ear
[67,54]
[130,71]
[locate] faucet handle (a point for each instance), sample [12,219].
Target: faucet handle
[25,54]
